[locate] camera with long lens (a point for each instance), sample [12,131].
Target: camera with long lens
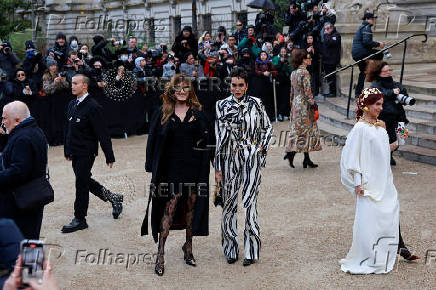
[405,99]
[387,54]
[119,42]
[307,5]
[6,48]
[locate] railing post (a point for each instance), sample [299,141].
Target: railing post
[402,63]
[349,92]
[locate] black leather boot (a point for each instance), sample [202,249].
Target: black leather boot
[117,202]
[290,156]
[308,162]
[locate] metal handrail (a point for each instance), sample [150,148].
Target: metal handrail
[372,55]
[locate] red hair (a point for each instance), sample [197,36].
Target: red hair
[368,97]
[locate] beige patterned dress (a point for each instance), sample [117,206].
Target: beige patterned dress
[304,133]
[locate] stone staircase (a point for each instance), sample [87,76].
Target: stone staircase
[421,144]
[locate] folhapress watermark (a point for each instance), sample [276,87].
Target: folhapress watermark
[108,257]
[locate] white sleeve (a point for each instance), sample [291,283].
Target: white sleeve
[357,179]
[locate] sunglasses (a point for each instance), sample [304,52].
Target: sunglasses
[238,24]
[21,75]
[237,85]
[185,89]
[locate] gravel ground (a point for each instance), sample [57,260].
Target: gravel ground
[306,218]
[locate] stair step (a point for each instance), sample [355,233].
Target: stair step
[423,88]
[422,140]
[419,154]
[331,135]
[421,112]
[334,118]
[424,100]
[415,124]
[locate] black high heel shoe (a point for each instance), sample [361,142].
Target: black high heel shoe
[159,269]
[188,260]
[309,163]
[290,156]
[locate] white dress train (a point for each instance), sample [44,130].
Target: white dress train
[365,161]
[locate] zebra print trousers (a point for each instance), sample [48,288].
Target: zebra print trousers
[241,167]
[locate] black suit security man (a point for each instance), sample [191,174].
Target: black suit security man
[85,128]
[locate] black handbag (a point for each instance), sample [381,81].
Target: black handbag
[36,193]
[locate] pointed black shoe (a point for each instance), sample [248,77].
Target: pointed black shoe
[75,225]
[393,162]
[248,262]
[231,260]
[290,156]
[188,260]
[159,269]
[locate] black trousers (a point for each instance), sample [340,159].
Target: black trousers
[361,80]
[29,222]
[329,68]
[315,78]
[82,166]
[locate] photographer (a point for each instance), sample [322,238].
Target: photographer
[264,20]
[282,62]
[298,36]
[84,54]
[185,42]
[33,64]
[99,49]
[293,17]
[380,74]
[8,59]
[60,51]
[363,46]
[75,66]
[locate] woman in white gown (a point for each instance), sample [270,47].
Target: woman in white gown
[366,172]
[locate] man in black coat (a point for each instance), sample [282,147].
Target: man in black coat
[85,128]
[293,17]
[8,59]
[23,159]
[363,46]
[331,55]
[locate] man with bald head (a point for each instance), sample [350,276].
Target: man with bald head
[85,128]
[23,159]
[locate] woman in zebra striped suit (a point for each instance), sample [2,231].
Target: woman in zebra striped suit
[243,132]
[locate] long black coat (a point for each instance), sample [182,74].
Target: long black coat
[154,159]
[25,156]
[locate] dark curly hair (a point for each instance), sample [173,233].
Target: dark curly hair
[239,72]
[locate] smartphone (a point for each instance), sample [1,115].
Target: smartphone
[32,255]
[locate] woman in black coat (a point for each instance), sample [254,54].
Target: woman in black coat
[177,155]
[20,88]
[379,73]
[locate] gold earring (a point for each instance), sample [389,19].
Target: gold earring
[366,109]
